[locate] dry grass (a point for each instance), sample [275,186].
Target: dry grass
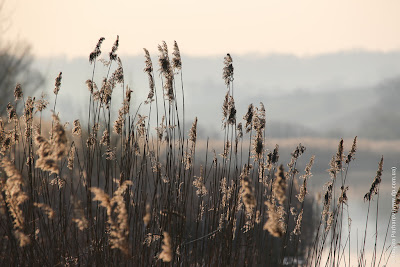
[112,190]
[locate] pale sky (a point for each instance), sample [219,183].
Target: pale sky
[206,27]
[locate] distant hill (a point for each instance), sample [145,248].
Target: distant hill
[327,95]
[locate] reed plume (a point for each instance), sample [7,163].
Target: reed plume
[71,156]
[113,55]
[375,184]
[78,215]
[166,71]
[18,92]
[46,209]
[279,186]
[352,152]
[259,125]
[166,250]
[176,59]
[198,183]
[59,139]
[11,112]
[396,201]
[247,193]
[307,175]
[273,157]
[51,152]
[57,84]
[15,197]
[297,228]
[227,74]
[96,52]
[119,229]
[327,198]
[41,104]
[28,115]
[77,129]
[275,224]
[193,132]
[249,118]
[149,70]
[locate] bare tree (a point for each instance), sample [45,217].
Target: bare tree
[15,67]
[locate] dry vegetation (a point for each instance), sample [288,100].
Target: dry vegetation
[106,193]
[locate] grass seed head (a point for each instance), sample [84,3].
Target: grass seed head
[166,252]
[18,92]
[274,225]
[113,55]
[77,129]
[96,52]
[352,152]
[375,184]
[279,186]
[57,84]
[396,202]
[227,74]
[176,60]
[41,104]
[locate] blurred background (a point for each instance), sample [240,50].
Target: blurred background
[321,69]
[324,70]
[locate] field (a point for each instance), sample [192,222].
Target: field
[138,188]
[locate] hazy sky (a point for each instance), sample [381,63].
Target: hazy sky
[206,27]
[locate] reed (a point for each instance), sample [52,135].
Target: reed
[119,192]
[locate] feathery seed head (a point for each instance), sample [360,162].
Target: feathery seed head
[71,156]
[12,113]
[149,65]
[327,198]
[396,203]
[79,215]
[297,228]
[118,74]
[239,129]
[279,186]
[18,92]
[42,103]
[273,157]
[343,196]
[166,252]
[15,196]
[199,184]
[89,84]
[249,118]
[105,139]
[113,55]
[247,194]
[77,129]
[227,74]
[57,84]
[232,111]
[46,208]
[375,184]
[176,60]
[339,155]
[96,52]
[59,138]
[166,71]
[193,132]
[275,225]
[300,149]
[225,106]
[352,152]
[28,114]
[303,189]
